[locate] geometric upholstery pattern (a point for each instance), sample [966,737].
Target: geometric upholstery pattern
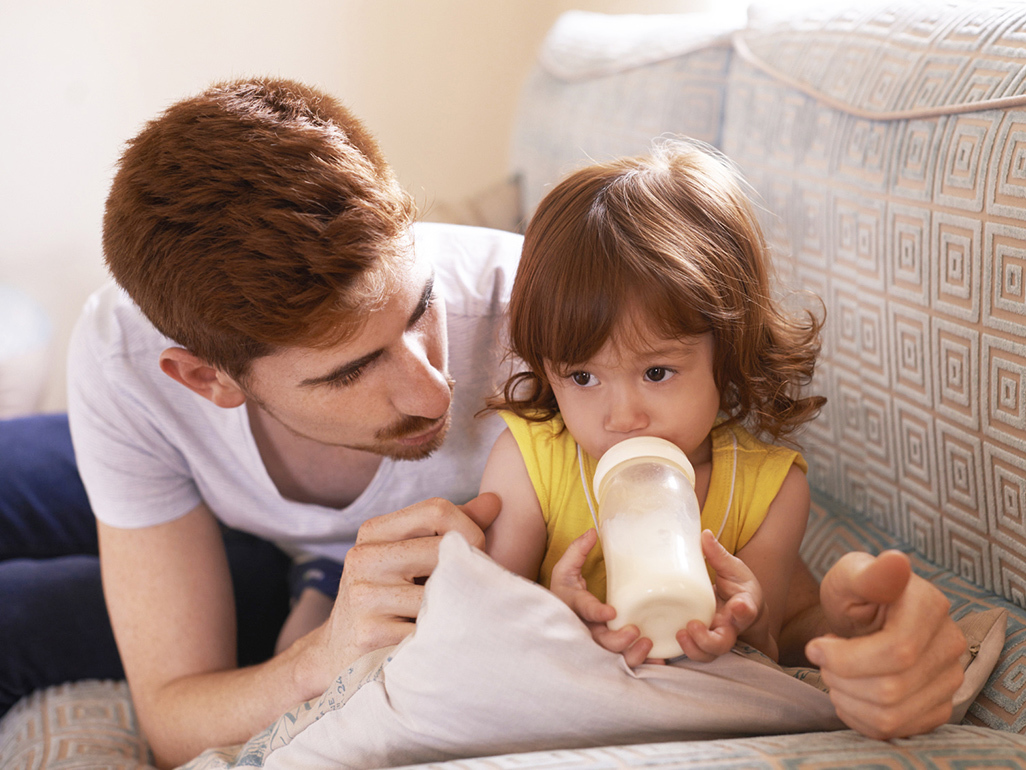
[912,230]
[949,747]
[888,149]
[81,726]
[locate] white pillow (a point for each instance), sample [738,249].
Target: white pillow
[498,665]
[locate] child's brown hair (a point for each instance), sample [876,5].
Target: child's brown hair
[259,214]
[672,234]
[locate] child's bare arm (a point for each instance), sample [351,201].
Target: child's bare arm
[516,539]
[772,555]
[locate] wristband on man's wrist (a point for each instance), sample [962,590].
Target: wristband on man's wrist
[319,573]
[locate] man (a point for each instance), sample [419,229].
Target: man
[288,356]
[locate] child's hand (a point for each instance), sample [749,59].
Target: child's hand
[739,604]
[569,585]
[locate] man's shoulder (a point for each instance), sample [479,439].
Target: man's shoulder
[110,318]
[460,238]
[112,338]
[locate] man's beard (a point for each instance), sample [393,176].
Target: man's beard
[410,426]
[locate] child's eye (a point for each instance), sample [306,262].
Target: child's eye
[582,379]
[658,374]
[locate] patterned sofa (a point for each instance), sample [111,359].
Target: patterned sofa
[888,145]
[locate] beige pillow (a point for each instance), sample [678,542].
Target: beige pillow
[985,634]
[500,665]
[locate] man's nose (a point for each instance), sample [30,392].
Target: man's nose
[422,387]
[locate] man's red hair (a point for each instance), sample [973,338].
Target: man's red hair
[254,216]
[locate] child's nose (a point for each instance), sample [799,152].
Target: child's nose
[626,414]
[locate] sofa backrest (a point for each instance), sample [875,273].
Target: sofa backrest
[888,145]
[605,86]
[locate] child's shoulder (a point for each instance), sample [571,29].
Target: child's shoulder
[534,426]
[544,435]
[729,437]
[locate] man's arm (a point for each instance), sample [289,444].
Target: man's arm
[883,639]
[170,600]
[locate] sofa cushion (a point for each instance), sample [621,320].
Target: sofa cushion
[949,746]
[80,726]
[903,60]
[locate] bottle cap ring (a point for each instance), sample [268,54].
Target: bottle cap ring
[638,447]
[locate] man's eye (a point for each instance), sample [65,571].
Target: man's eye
[658,374]
[425,308]
[347,378]
[583,379]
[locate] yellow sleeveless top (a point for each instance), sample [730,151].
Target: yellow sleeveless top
[746,476]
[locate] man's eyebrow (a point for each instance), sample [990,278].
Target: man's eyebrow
[352,367]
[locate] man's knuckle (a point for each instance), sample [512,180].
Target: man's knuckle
[357,558]
[890,692]
[439,506]
[904,653]
[888,724]
[958,644]
[365,633]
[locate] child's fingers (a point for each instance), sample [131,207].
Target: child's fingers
[615,641]
[704,644]
[590,609]
[638,652]
[691,648]
[627,641]
[568,568]
[727,566]
[741,612]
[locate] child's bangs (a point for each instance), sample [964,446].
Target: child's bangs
[579,313]
[585,311]
[669,311]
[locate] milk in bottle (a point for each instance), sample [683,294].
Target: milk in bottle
[650,529]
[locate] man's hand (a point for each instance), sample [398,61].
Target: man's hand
[892,659]
[381,589]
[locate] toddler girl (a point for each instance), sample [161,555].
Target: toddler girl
[642,307]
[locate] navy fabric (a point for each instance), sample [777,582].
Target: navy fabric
[53,619]
[321,574]
[44,510]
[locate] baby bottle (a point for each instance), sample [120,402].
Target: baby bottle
[650,529]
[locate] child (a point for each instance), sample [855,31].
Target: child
[642,306]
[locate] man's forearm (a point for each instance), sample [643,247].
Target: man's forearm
[194,713]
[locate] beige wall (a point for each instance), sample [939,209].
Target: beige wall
[437,80]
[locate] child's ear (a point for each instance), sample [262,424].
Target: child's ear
[200,377]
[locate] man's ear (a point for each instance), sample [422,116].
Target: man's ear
[200,377]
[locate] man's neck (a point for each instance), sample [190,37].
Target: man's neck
[307,471]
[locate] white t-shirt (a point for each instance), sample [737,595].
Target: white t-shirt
[150,450]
